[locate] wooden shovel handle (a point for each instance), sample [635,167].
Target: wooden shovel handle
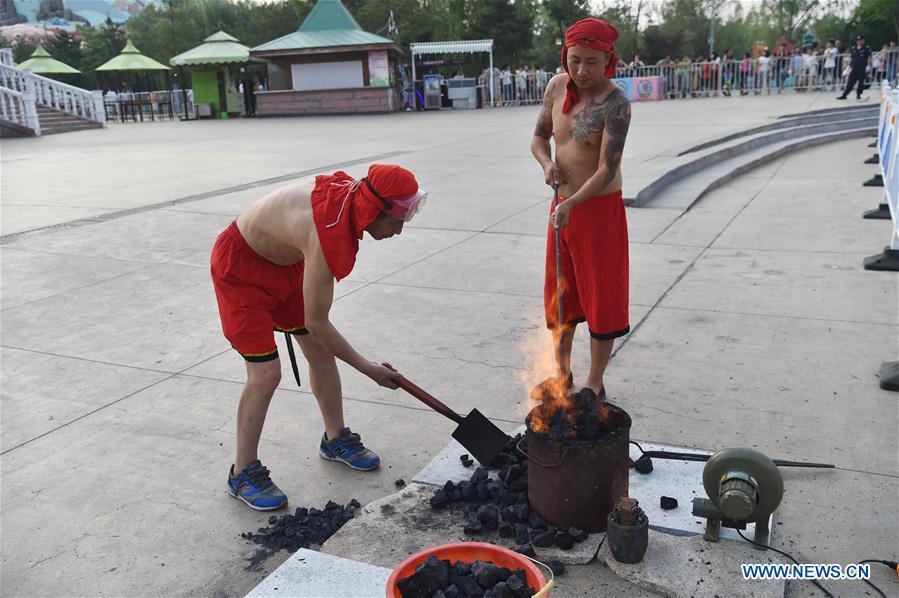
[432,402]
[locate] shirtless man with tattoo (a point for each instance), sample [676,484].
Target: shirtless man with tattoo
[587,118]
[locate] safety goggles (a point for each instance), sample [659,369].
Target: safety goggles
[404,209]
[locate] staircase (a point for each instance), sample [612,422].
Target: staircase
[56,121]
[32,105]
[680,180]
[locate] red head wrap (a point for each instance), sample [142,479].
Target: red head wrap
[343,207]
[593,34]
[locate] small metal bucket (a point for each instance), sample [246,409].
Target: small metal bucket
[576,482]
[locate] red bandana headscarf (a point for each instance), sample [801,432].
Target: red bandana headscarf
[343,207]
[593,34]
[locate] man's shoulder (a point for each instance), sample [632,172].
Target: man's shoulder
[616,97]
[559,80]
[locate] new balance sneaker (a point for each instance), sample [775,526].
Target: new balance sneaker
[254,486]
[348,449]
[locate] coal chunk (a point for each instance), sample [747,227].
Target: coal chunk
[643,465]
[506,530]
[355,504]
[522,512]
[468,490]
[487,574]
[668,503]
[536,521]
[557,567]
[508,499]
[500,590]
[440,500]
[494,489]
[489,515]
[474,528]
[483,493]
[522,536]
[462,568]
[578,535]
[399,483]
[479,475]
[452,591]
[564,541]
[517,585]
[437,569]
[545,538]
[468,586]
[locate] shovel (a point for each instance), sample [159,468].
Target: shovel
[475,432]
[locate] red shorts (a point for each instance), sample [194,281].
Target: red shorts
[594,268]
[255,296]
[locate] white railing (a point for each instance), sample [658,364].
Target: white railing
[53,94]
[6,57]
[19,108]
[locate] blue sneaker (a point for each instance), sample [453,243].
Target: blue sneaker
[348,449]
[254,486]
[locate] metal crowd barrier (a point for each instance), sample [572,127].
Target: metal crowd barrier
[797,73]
[148,106]
[520,88]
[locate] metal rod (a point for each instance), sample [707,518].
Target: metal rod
[703,457]
[558,258]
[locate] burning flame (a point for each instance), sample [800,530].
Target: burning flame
[545,381]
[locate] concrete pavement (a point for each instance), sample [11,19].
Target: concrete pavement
[754,325]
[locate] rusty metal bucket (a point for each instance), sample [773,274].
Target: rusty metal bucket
[576,482]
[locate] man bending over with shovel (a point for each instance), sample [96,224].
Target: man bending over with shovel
[587,117]
[274,269]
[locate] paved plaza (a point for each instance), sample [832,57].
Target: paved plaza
[753,323]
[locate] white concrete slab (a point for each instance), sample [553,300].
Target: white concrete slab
[312,574]
[691,567]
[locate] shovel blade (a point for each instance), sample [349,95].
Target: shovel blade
[481,437]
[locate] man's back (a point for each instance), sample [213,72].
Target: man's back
[279,227]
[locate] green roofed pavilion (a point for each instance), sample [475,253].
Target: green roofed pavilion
[218,48]
[328,25]
[330,65]
[130,59]
[43,64]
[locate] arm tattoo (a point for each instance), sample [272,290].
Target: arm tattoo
[544,126]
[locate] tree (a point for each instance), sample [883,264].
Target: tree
[100,44]
[510,25]
[562,13]
[877,20]
[659,42]
[790,17]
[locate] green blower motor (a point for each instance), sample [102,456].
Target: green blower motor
[743,486]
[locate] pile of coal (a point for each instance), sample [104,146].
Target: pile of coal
[303,528]
[437,578]
[584,417]
[502,505]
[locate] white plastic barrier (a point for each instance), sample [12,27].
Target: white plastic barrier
[888,149]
